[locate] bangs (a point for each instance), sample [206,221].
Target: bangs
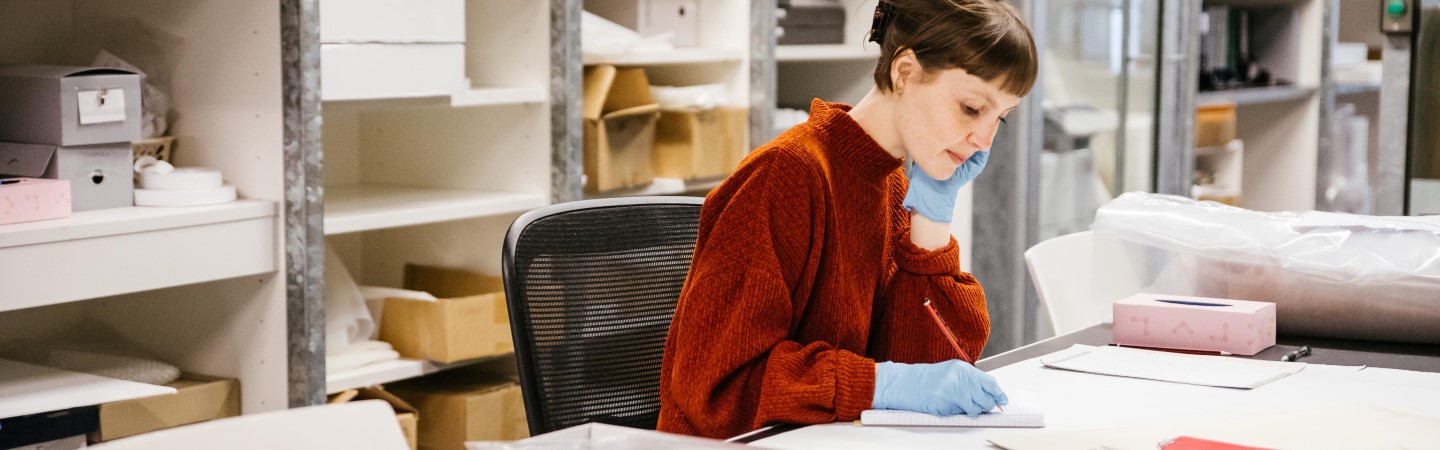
[999,50]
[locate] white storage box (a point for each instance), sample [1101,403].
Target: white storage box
[392,21]
[69,106]
[100,175]
[375,71]
[653,17]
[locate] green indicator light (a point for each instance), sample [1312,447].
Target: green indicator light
[1395,7]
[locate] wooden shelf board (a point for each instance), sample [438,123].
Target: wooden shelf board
[1256,95]
[826,52]
[684,55]
[134,219]
[663,186]
[492,96]
[355,208]
[390,372]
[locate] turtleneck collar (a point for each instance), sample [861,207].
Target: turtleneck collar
[848,144]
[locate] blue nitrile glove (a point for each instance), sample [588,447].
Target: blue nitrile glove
[944,389]
[935,199]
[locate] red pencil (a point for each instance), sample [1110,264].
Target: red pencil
[946,331]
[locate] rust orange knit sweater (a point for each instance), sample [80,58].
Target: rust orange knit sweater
[803,277]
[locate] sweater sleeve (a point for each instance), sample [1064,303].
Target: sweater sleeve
[730,365]
[905,331]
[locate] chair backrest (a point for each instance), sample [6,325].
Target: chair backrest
[1061,270]
[365,424]
[591,287]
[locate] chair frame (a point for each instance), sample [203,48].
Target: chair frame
[529,384]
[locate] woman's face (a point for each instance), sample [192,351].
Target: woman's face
[946,116]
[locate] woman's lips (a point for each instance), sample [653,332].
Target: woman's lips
[955,157]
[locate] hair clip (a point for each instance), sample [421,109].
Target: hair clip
[883,11]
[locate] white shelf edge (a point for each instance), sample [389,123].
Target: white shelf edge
[826,52]
[684,55]
[1255,95]
[390,372]
[356,208]
[477,97]
[1356,88]
[662,186]
[133,219]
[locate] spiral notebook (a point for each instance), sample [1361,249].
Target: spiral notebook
[1022,412]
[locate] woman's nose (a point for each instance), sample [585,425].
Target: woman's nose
[984,136]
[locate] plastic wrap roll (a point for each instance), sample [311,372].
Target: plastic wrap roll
[1330,275]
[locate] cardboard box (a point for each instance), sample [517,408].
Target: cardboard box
[33,199]
[681,18]
[69,106]
[459,326]
[703,143]
[620,117]
[392,21]
[1194,323]
[406,415]
[379,70]
[465,405]
[199,398]
[101,175]
[1214,125]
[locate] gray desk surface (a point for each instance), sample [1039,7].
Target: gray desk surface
[1424,358]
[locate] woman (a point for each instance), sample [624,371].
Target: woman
[805,302]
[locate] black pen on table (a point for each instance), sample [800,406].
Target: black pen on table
[1301,352]
[945,330]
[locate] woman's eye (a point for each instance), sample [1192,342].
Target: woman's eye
[1002,120]
[971,111]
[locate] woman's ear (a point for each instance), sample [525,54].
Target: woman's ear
[903,69]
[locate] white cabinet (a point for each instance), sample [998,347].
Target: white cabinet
[436,179]
[199,287]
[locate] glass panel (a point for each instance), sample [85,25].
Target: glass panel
[1425,140]
[1099,101]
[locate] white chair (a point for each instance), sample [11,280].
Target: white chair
[359,425]
[1061,270]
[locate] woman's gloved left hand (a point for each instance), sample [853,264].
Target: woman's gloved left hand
[935,199]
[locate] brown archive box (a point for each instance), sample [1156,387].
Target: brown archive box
[405,415]
[197,399]
[463,405]
[620,117]
[700,143]
[469,320]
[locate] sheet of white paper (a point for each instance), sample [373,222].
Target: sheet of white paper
[29,389]
[1175,367]
[1023,411]
[101,106]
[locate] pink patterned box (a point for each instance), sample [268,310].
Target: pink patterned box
[1194,323]
[32,199]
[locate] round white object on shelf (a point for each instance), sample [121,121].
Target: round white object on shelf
[185,197]
[181,178]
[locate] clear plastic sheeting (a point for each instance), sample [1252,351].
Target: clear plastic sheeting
[596,436]
[1330,275]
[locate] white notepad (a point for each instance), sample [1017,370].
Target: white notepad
[1022,412]
[1202,370]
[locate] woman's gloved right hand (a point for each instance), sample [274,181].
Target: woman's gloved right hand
[944,389]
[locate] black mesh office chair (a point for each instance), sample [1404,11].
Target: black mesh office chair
[591,287]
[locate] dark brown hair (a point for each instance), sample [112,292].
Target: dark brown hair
[984,37]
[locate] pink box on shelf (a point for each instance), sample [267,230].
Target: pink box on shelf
[1240,327]
[32,199]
